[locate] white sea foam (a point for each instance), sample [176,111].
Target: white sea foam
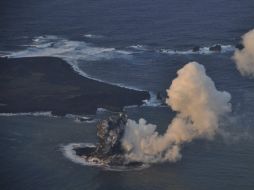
[75,118]
[67,49]
[101,110]
[93,36]
[227,48]
[69,153]
[81,118]
[128,107]
[139,47]
[72,52]
[153,101]
[104,110]
[45,114]
[4,53]
[202,51]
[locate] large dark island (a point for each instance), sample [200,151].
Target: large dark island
[50,84]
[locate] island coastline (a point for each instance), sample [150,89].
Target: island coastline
[33,84]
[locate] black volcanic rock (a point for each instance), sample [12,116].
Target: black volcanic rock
[110,132]
[216,47]
[239,46]
[195,49]
[50,84]
[109,150]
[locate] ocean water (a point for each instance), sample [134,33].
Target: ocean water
[138,44]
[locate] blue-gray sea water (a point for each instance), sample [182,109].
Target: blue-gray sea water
[133,43]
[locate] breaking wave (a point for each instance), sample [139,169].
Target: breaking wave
[68,50]
[79,52]
[72,52]
[45,114]
[92,36]
[69,152]
[202,51]
[81,118]
[75,118]
[139,47]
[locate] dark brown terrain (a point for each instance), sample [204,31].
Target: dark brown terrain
[50,84]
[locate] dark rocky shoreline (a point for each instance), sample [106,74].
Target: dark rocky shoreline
[50,84]
[108,152]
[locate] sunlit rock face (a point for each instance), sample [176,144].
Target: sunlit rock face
[110,132]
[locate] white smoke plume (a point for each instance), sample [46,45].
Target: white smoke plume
[199,106]
[245,58]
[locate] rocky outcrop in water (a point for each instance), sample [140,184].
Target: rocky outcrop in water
[216,48]
[195,49]
[109,150]
[239,46]
[110,132]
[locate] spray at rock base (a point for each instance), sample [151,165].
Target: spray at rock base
[198,106]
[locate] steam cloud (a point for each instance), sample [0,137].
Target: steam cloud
[199,106]
[245,58]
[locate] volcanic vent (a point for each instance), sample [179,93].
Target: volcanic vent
[108,152]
